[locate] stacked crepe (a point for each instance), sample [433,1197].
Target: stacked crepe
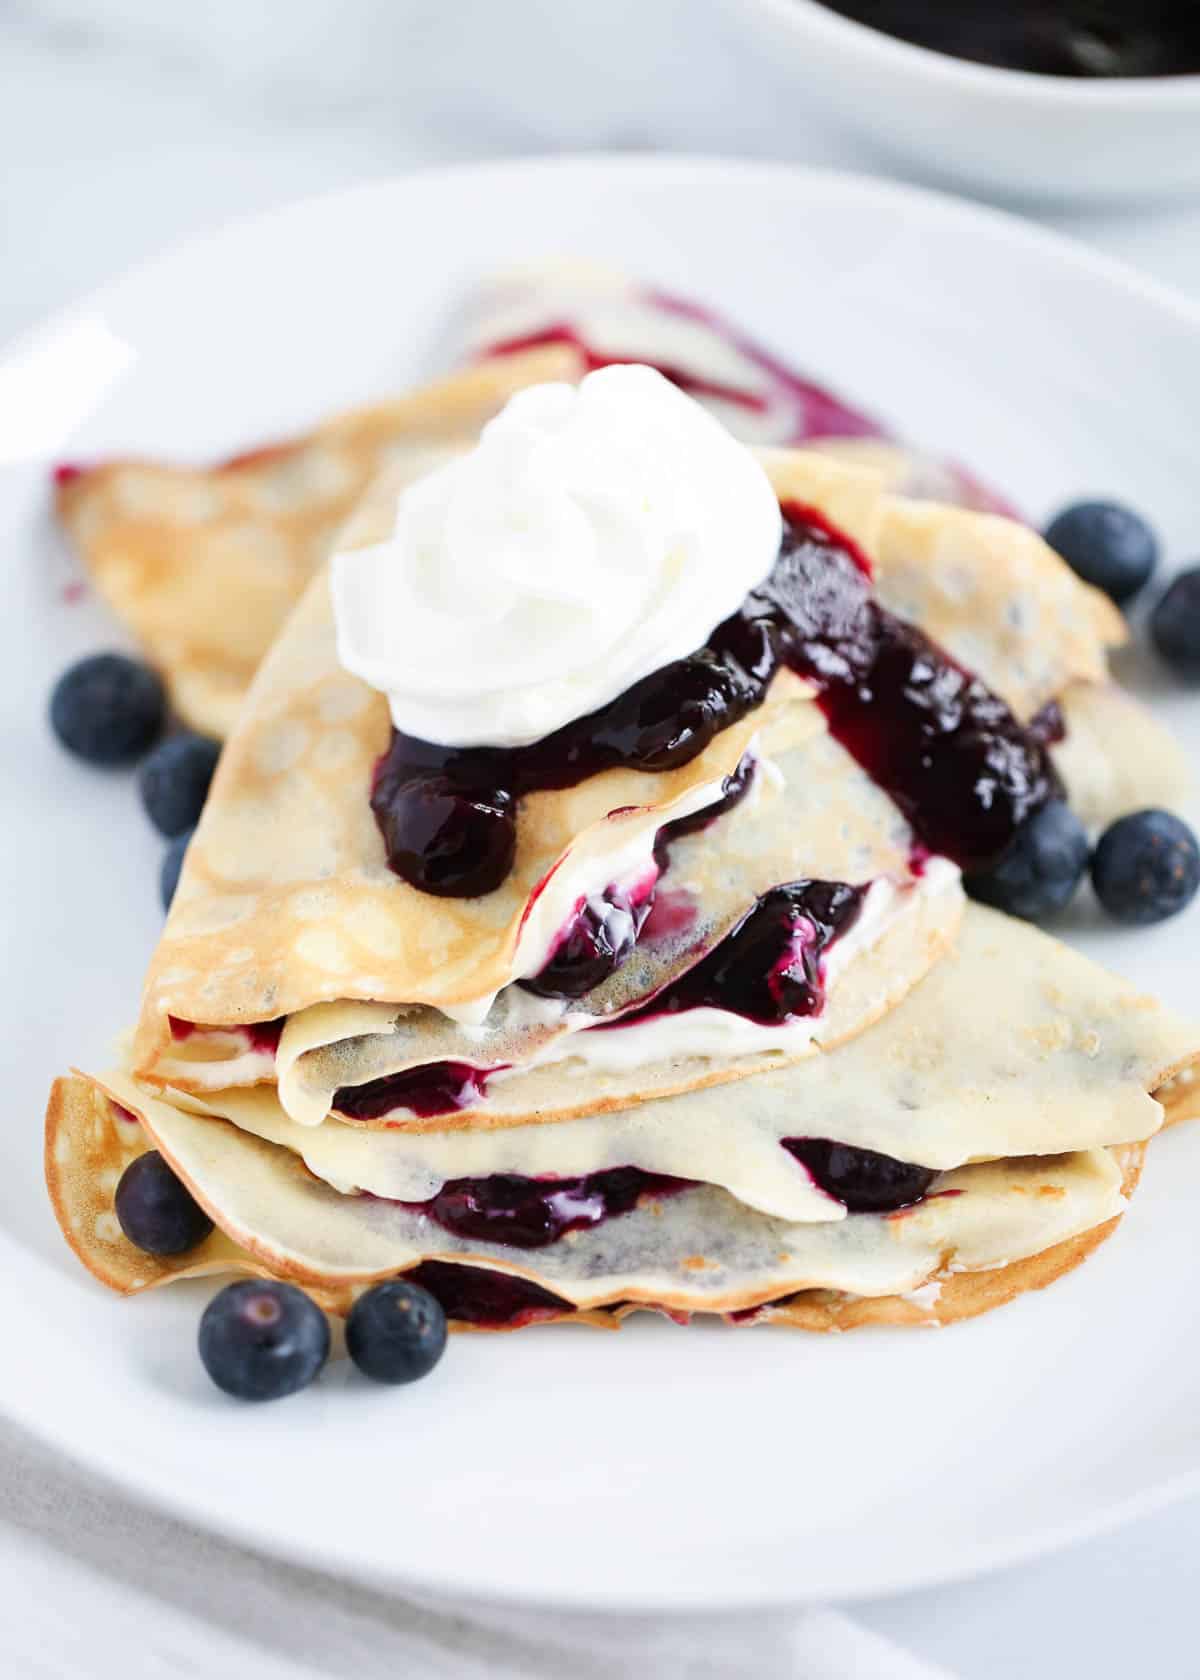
[173,548]
[355,1078]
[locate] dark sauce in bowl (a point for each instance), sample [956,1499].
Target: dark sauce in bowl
[1091,39]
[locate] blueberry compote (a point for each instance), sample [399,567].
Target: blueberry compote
[948,751]
[433,1088]
[861,1179]
[769,968]
[1084,38]
[593,945]
[815,412]
[474,1295]
[262,1037]
[604,929]
[535,1212]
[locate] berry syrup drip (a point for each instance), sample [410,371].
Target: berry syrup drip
[535,1212]
[948,751]
[260,1036]
[770,967]
[474,1295]
[861,1179]
[435,1088]
[733,790]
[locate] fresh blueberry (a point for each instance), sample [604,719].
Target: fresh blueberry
[1146,867]
[172,864]
[108,709]
[1038,874]
[1106,544]
[1175,624]
[396,1332]
[156,1210]
[260,1340]
[174,781]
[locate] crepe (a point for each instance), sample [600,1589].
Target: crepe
[963,1077]
[205,563]
[996,597]
[810,811]
[699,1250]
[1116,756]
[286,898]
[962,1070]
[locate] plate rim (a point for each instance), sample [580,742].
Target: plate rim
[242,1527]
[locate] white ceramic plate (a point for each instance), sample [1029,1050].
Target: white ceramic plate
[657,1468]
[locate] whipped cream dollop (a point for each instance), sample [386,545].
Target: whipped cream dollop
[594,534]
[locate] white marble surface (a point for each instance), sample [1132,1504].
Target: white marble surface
[125,124]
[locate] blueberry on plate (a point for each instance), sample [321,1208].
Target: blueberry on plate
[396,1332]
[1106,544]
[1038,874]
[1175,624]
[108,708]
[172,863]
[260,1340]
[156,1210]
[1146,867]
[174,781]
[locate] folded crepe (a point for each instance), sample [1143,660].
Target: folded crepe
[956,1097]
[287,917]
[1028,1104]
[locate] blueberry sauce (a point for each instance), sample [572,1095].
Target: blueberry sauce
[769,968]
[495,1300]
[261,1037]
[785,409]
[948,752]
[817,412]
[862,1180]
[535,1212]
[598,938]
[604,929]
[1078,38]
[435,1088]
[733,790]
[812,411]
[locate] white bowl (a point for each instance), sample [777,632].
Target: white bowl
[1003,132]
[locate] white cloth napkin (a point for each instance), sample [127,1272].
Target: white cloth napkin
[93,1586]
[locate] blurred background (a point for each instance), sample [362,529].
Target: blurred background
[127,123]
